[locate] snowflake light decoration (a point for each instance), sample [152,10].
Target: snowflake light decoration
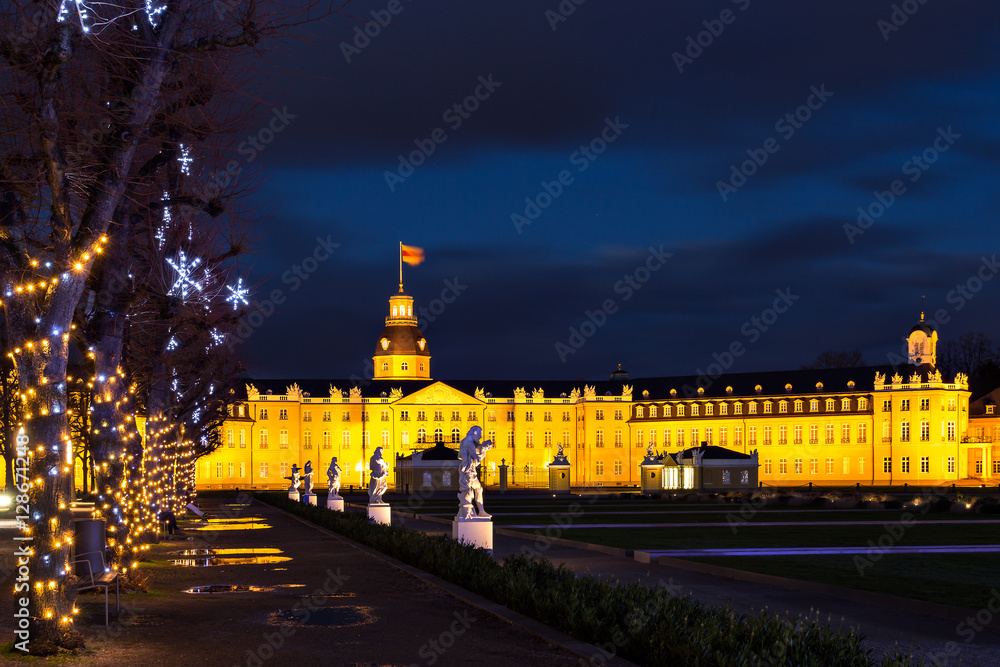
[186,283]
[238,294]
[185,159]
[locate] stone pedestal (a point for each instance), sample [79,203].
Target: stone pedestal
[293,495]
[559,478]
[335,503]
[503,477]
[477,532]
[380,513]
[309,499]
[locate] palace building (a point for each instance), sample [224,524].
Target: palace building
[837,427]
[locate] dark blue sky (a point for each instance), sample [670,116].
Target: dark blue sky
[886,100]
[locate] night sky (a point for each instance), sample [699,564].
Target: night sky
[881,93]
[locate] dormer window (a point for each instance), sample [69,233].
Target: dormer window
[989,409]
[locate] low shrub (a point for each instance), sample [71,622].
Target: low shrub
[644,624]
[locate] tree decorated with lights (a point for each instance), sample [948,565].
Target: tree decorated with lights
[87,91]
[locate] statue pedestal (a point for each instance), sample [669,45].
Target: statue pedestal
[335,503]
[380,513]
[293,495]
[309,499]
[477,532]
[559,478]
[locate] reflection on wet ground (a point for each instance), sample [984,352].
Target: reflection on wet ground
[234,523]
[240,588]
[331,617]
[212,561]
[248,551]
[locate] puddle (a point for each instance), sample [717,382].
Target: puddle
[237,523]
[330,617]
[211,561]
[238,588]
[248,551]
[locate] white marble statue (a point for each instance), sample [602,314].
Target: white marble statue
[471,452]
[296,479]
[379,481]
[333,477]
[308,476]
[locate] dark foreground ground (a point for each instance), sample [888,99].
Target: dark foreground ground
[373,613]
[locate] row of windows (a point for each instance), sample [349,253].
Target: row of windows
[925,404]
[948,431]
[680,410]
[947,464]
[751,433]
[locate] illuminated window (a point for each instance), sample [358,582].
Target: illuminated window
[845,432]
[598,415]
[600,438]
[989,409]
[904,431]
[618,467]
[548,438]
[767,466]
[404,438]
[829,405]
[385,438]
[638,438]
[798,466]
[263,439]
[618,437]
[737,408]
[694,410]
[782,466]
[845,404]
[862,404]
[345,440]
[327,440]
[283,439]
[307,440]
[652,411]
[847,465]
[723,408]
[229,438]
[753,408]
[767,408]
[666,410]
[529,439]
[829,466]
[263,470]
[725,477]
[243,438]
[709,409]
[813,466]
[599,468]
[798,406]
[680,410]
[639,412]
[421,435]
[925,431]
[782,407]
[814,405]
[307,415]
[218,470]
[862,432]
[385,365]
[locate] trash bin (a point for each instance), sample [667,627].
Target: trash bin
[90,539]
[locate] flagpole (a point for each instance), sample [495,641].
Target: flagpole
[401,267]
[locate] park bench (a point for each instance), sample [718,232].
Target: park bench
[98,576]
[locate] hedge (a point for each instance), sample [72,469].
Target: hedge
[644,624]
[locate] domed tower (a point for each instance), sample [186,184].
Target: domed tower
[401,352]
[921,344]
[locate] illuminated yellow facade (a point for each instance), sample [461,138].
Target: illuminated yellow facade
[835,427]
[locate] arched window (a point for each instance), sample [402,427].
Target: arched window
[456,435]
[404,366]
[395,311]
[421,435]
[438,435]
[421,366]
[385,365]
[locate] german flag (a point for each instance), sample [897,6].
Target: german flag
[412,255]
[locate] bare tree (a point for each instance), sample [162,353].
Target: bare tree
[87,90]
